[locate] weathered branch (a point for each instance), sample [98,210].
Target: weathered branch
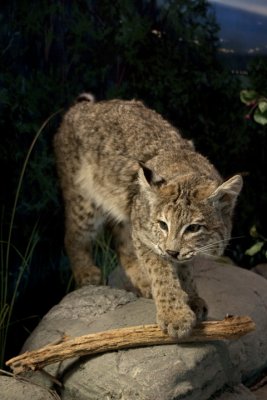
[136,336]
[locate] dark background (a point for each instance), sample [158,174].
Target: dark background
[166,56]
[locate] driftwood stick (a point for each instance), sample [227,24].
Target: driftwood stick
[136,336]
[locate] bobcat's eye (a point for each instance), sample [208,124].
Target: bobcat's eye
[163,225]
[193,228]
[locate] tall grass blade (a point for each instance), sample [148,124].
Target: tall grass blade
[6,304]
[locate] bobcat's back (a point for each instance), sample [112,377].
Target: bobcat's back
[112,138]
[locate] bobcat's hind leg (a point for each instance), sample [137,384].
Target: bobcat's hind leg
[128,260]
[83,219]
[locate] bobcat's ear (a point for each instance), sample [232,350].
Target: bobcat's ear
[225,196]
[148,178]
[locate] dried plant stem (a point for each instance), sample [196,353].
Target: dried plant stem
[136,336]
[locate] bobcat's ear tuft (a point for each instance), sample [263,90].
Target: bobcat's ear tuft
[148,178]
[225,196]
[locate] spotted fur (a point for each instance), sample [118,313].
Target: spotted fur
[118,160]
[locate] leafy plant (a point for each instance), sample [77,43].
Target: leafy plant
[260,244]
[257,104]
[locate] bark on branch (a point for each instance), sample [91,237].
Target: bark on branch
[136,336]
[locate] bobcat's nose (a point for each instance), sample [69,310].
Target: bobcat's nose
[173,253]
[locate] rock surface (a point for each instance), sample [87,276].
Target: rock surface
[239,392]
[188,371]
[14,389]
[261,269]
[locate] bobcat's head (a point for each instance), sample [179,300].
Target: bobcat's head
[190,215]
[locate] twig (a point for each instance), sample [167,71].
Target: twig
[116,339]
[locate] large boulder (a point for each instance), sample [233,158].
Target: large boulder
[15,389]
[197,371]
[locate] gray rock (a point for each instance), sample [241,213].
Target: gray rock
[261,269]
[76,312]
[15,389]
[261,393]
[239,392]
[188,371]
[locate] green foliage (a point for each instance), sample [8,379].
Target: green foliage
[7,297]
[104,255]
[259,245]
[257,104]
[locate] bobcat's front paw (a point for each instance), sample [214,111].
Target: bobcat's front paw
[200,308]
[87,276]
[176,322]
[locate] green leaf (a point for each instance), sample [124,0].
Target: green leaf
[260,117]
[254,249]
[253,231]
[248,96]
[263,105]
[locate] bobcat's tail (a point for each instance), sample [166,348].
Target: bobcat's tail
[85,97]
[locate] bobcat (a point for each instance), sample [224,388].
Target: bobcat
[120,161]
